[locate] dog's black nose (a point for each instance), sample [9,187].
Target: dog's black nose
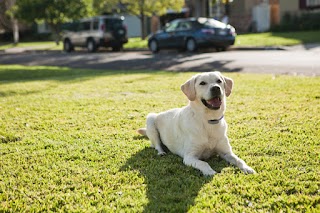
[215,90]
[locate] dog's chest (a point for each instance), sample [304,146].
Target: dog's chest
[213,134]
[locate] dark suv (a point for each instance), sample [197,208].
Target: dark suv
[95,32]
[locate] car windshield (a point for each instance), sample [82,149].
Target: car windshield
[212,23]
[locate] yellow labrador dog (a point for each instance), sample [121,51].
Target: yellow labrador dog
[198,130]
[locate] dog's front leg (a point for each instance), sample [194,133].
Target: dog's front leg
[225,151]
[203,166]
[235,160]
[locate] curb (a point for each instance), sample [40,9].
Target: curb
[257,48]
[29,50]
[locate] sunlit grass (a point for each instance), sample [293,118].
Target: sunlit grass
[278,39]
[40,45]
[136,43]
[68,143]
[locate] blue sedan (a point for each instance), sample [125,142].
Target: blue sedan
[192,33]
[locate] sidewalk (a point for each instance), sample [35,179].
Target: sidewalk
[30,48]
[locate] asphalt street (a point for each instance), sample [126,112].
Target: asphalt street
[297,60]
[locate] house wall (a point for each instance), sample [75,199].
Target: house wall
[241,15]
[43,28]
[261,17]
[198,8]
[274,12]
[133,25]
[288,6]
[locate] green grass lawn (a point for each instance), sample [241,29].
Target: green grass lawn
[136,43]
[68,143]
[254,39]
[278,38]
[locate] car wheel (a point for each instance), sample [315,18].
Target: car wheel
[191,45]
[67,46]
[153,46]
[91,45]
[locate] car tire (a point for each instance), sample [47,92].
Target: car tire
[153,46]
[191,45]
[67,46]
[91,46]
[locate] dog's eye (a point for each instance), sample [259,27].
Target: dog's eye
[203,83]
[219,81]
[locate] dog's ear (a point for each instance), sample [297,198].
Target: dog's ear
[188,88]
[228,85]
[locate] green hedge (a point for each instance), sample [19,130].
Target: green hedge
[303,22]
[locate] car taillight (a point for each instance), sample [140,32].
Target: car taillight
[102,27]
[208,31]
[232,32]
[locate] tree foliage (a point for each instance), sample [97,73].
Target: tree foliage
[137,7]
[140,8]
[53,12]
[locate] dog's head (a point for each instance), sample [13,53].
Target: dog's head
[209,88]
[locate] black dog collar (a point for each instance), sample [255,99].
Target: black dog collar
[215,121]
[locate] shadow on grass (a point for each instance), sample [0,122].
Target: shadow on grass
[21,73]
[305,37]
[18,73]
[171,186]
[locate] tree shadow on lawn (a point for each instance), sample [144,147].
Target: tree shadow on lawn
[45,73]
[22,74]
[171,185]
[309,40]
[106,64]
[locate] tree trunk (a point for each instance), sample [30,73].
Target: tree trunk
[56,32]
[15,30]
[143,29]
[14,22]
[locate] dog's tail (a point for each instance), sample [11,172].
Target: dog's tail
[142,131]
[151,126]
[152,133]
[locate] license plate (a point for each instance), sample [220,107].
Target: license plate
[222,32]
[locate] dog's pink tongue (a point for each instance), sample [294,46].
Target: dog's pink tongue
[215,102]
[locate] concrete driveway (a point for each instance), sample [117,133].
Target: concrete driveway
[297,60]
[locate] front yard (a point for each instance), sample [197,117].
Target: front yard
[68,143]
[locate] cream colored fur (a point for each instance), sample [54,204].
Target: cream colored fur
[186,131]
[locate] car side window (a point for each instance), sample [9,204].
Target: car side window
[184,26]
[95,25]
[172,27]
[84,26]
[70,26]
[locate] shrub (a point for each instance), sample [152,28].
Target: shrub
[303,22]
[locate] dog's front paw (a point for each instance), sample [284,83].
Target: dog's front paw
[162,153]
[248,170]
[210,172]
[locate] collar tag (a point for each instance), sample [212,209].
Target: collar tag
[215,121]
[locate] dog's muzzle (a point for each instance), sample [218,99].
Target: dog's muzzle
[215,101]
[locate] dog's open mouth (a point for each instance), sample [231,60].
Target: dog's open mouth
[213,103]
